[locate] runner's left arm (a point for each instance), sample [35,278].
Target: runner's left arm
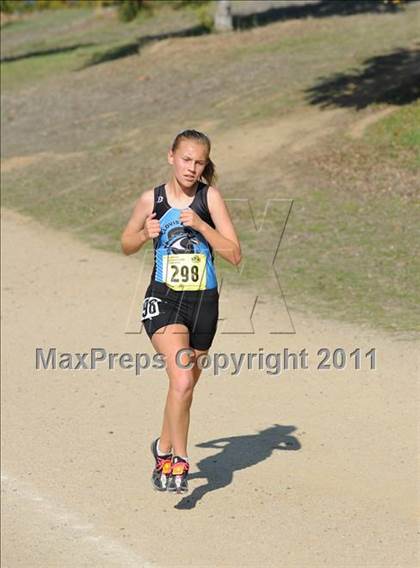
[223,238]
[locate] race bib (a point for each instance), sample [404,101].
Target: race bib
[185,271]
[150,308]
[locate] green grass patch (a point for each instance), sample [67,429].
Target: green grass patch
[398,134]
[353,258]
[286,44]
[27,71]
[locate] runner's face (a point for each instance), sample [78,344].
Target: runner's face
[188,161]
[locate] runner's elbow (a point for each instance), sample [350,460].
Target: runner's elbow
[237,257]
[125,248]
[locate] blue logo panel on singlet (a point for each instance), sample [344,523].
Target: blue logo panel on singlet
[177,239]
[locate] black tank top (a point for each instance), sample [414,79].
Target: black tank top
[183,258]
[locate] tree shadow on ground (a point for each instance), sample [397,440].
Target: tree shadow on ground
[393,78]
[237,452]
[321,9]
[44,52]
[136,46]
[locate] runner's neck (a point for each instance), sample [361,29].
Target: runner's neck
[177,197]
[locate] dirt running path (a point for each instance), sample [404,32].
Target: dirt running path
[339,491]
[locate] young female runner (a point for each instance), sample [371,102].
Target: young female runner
[187,219]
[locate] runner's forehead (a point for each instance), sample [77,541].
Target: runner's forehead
[193,149]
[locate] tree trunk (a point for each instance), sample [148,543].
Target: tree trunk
[223,16]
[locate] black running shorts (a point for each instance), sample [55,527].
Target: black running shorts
[198,310]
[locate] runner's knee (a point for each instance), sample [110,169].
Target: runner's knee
[182,389]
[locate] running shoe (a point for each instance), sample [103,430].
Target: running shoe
[162,470]
[178,479]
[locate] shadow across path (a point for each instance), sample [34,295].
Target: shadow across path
[320,9]
[44,52]
[236,453]
[134,47]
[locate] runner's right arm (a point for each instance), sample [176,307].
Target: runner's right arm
[142,225]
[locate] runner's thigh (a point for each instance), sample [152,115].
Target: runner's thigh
[173,340]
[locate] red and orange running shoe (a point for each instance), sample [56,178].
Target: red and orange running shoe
[162,470]
[178,480]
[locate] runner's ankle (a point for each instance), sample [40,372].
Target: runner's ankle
[160,451]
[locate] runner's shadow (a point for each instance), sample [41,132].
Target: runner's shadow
[237,452]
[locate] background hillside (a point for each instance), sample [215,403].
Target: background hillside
[313,102]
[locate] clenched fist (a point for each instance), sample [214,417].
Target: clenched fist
[190,219]
[151,226]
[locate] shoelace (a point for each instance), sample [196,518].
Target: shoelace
[163,464]
[180,467]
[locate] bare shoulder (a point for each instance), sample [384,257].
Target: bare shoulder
[146,200]
[220,213]
[214,195]
[147,197]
